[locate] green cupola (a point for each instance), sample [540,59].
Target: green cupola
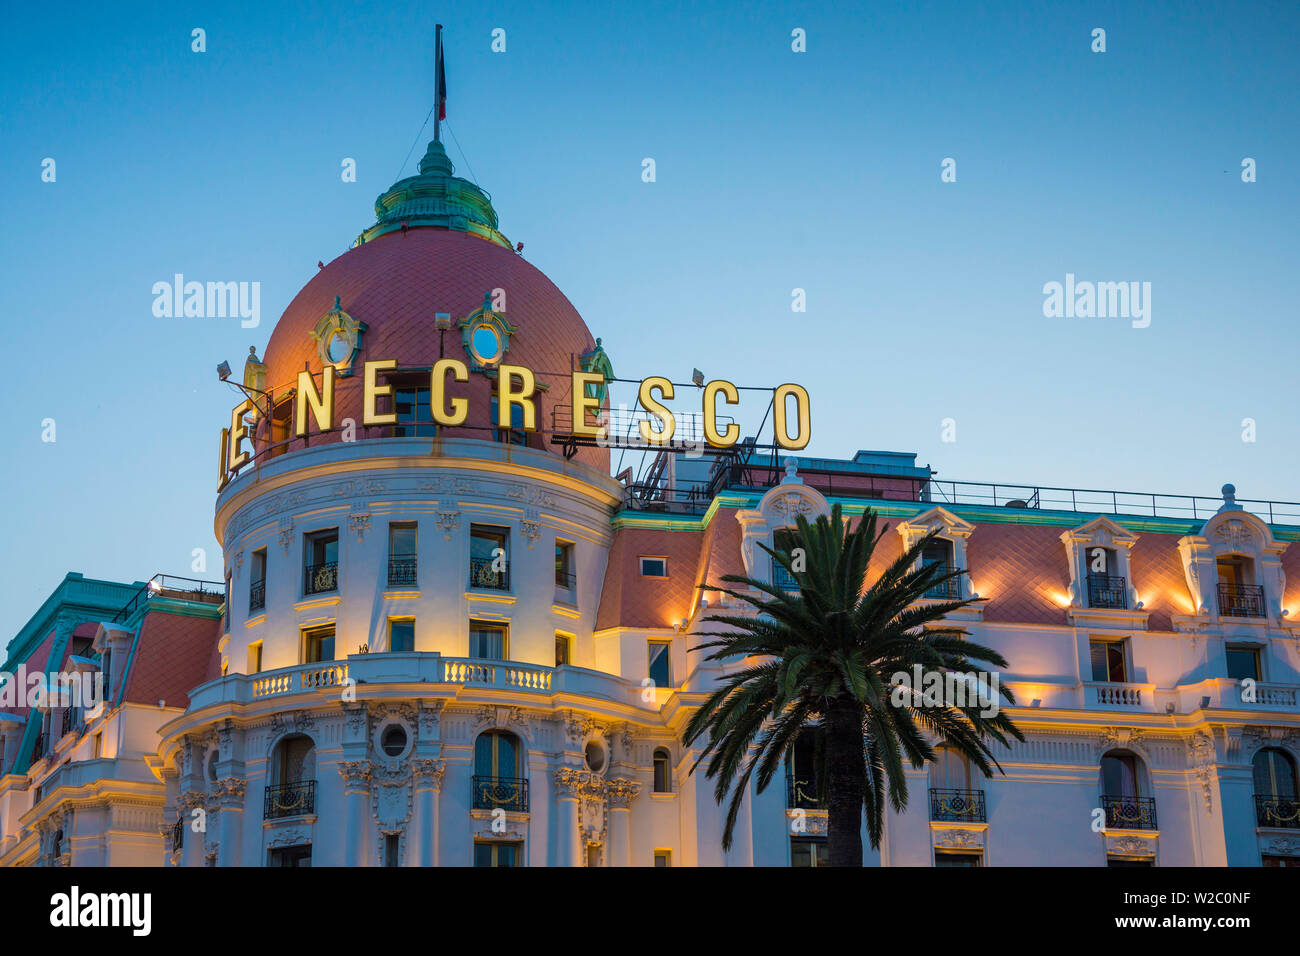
[435,198]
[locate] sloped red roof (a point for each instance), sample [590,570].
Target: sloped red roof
[173,654]
[630,600]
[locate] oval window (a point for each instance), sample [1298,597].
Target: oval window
[339,348]
[394,740]
[487,346]
[595,757]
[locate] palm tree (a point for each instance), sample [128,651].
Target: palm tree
[822,659]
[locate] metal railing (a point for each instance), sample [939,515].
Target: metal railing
[565,580]
[1107,591]
[168,585]
[507,793]
[1241,600]
[290,800]
[178,836]
[802,795]
[1130,813]
[256,596]
[956,804]
[949,590]
[319,578]
[483,574]
[402,570]
[1271,811]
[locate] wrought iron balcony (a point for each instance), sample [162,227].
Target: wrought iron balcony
[802,795]
[402,571]
[319,578]
[1130,813]
[178,835]
[256,596]
[508,793]
[957,805]
[783,579]
[1273,811]
[1241,600]
[482,574]
[949,590]
[290,800]
[1107,591]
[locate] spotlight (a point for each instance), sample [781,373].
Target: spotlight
[1036,702]
[223,371]
[697,377]
[442,321]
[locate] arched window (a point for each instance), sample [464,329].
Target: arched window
[498,777]
[1276,803]
[663,771]
[1123,792]
[950,770]
[292,791]
[1274,774]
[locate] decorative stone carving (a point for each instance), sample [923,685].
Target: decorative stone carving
[803,822]
[530,526]
[237,561]
[290,836]
[960,839]
[1133,846]
[359,487]
[529,494]
[1200,750]
[621,792]
[430,717]
[359,521]
[444,484]
[230,791]
[1282,846]
[356,774]
[286,534]
[1235,535]
[448,521]
[428,772]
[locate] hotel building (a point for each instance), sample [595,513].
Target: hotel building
[453,646]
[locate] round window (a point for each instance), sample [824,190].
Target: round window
[394,740]
[595,757]
[339,348]
[486,344]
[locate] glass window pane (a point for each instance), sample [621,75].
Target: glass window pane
[401,636]
[659,670]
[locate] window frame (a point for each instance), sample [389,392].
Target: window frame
[653,557]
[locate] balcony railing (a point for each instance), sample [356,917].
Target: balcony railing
[178,836]
[1241,600]
[290,800]
[402,571]
[802,795]
[256,596]
[783,579]
[1107,591]
[565,580]
[949,590]
[957,805]
[1277,812]
[507,793]
[319,578]
[1130,813]
[482,574]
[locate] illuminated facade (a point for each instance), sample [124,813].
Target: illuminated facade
[469,645]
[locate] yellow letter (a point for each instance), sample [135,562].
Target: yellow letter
[438,392]
[225,448]
[235,454]
[731,397]
[372,391]
[583,403]
[508,397]
[652,406]
[322,403]
[805,417]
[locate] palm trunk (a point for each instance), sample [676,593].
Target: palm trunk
[845,768]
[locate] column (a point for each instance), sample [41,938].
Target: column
[356,799]
[621,792]
[230,797]
[428,791]
[568,786]
[192,849]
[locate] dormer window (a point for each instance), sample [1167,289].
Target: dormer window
[1239,595]
[1098,555]
[947,550]
[940,552]
[1107,588]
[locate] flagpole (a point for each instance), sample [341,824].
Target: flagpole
[437,85]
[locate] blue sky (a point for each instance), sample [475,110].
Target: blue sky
[775,171]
